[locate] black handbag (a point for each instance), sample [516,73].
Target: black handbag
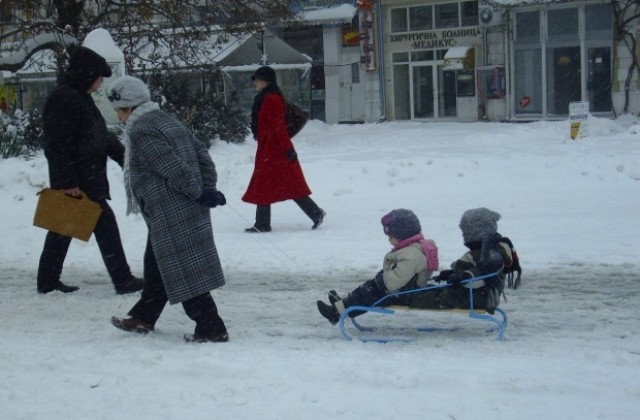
[296,118]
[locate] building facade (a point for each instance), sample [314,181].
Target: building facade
[503,61]
[351,61]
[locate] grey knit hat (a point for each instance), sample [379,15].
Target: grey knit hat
[478,223]
[128,92]
[401,224]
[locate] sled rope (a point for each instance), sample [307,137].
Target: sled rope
[273,254]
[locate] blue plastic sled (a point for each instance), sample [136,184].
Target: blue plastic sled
[499,318]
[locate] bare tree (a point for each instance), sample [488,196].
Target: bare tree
[625,13]
[164,33]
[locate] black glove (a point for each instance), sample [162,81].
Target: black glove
[443,276]
[292,155]
[456,278]
[211,198]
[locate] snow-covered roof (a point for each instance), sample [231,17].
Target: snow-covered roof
[335,14]
[228,52]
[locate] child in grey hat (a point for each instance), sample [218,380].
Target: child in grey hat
[487,254]
[408,265]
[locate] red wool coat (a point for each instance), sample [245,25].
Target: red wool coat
[274,178]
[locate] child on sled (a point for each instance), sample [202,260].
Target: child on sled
[408,265]
[488,253]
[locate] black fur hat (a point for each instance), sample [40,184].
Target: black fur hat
[85,66]
[266,74]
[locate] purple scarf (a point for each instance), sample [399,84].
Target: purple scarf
[429,249]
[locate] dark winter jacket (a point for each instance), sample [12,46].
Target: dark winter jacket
[77,142]
[168,170]
[473,263]
[275,177]
[476,262]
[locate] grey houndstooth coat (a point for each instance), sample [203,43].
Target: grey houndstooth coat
[168,170]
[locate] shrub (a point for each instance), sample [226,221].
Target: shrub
[20,134]
[207,113]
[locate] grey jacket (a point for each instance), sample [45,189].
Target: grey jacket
[168,169]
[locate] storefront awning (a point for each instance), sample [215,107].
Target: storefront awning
[460,58]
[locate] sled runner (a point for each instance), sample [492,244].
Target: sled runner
[499,317]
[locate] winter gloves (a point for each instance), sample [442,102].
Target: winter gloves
[451,277]
[211,198]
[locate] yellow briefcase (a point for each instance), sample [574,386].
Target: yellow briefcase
[66,215]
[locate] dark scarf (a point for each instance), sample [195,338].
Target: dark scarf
[257,103]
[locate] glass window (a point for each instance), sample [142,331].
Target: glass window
[422,55]
[420,18]
[527,27]
[465,82]
[399,20]
[528,82]
[446,15]
[562,24]
[469,11]
[355,73]
[400,57]
[401,99]
[598,21]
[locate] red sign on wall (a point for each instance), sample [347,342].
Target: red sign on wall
[350,37]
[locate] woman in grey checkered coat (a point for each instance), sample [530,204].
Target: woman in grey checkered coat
[171,180]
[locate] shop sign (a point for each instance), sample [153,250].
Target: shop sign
[367,34]
[321,4]
[445,38]
[350,37]
[578,114]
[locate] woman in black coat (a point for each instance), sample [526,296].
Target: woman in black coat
[77,145]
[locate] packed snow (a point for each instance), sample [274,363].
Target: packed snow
[571,349]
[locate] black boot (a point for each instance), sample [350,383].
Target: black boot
[258,229]
[134,284]
[333,296]
[60,286]
[319,219]
[221,337]
[311,209]
[328,311]
[263,220]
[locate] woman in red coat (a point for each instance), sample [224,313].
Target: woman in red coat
[277,175]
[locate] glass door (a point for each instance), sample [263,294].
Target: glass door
[447,89]
[563,79]
[599,81]
[423,91]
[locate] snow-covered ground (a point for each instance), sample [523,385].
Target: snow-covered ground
[571,351]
